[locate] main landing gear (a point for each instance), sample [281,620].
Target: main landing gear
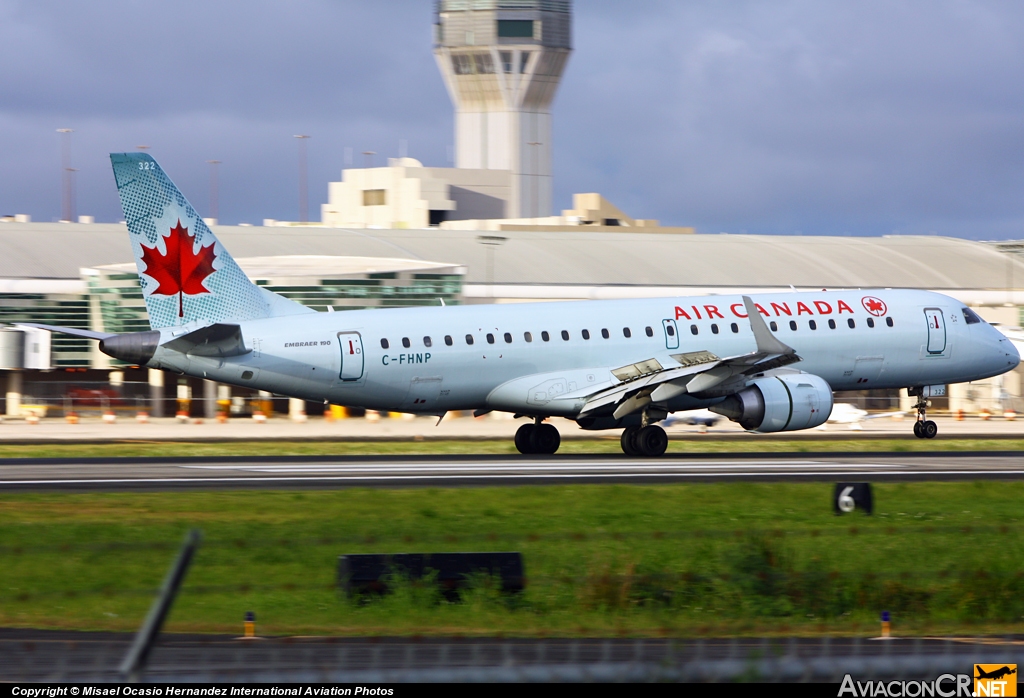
[924,428]
[537,438]
[650,441]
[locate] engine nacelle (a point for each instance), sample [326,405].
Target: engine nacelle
[789,402]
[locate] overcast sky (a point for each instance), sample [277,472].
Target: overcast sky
[859,118]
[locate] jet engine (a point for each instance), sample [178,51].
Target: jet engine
[789,402]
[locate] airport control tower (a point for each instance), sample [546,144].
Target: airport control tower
[502,61]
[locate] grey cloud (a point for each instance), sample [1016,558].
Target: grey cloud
[859,118]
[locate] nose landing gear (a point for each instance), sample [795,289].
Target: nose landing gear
[924,428]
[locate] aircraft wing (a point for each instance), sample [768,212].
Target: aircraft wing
[648,381]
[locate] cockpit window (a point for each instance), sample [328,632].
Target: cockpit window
[971,317]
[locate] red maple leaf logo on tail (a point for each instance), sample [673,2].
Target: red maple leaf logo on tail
[180,271]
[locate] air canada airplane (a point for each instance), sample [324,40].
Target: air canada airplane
[769,362]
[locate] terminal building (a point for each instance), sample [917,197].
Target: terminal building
[481,232]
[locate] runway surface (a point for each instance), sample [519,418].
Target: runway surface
[453,471]
[39,655]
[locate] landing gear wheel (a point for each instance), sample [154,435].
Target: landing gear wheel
[628,441]
[652,441]
[524,439]
[545,439]
[924,428]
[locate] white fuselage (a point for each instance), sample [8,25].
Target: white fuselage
[917,338]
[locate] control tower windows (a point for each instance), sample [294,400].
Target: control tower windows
[524,60]
[484,64]
[506,61]
[462,64]
[515,29]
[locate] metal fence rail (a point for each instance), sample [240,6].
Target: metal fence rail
[93,657]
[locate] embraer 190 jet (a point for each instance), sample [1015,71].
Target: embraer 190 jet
[769,362]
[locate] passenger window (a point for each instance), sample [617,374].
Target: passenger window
[831,324]
[586,334]
[735,328]
[508,338]
[448,339]
[650,332]
[626,333]
[469,339]
[406,343]
[774,326]
[851,323]
[693,329]
[792,325]
[528,337]
[384,344]
[490,338]
[670,330]
[871,322]
[604,333]
[427,342]
[565,335]
[714,328]
[812,324]
[971,317]
[888,321]
[545,336]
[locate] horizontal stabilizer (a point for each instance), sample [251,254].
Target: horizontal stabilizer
[89,334]
[220,339]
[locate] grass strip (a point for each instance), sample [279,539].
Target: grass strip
[601,560]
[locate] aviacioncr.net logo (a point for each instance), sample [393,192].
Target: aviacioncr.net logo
[945,686]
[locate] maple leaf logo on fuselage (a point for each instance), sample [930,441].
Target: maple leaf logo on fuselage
[181,271]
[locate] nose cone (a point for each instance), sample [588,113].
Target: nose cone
[1004,355]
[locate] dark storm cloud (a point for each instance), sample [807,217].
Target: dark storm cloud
[783,117]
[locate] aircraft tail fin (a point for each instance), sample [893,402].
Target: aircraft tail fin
[185,272]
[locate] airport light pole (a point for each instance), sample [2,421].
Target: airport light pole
[213,188]
[303,195]
[65,174]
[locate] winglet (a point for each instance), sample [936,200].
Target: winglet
[767,343]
